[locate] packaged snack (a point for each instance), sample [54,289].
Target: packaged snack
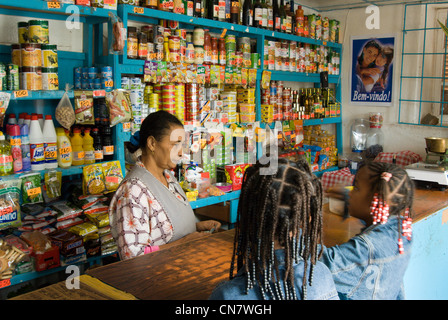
[119,34]
[83,229]
[99,219]
[119,106]
[64,111]
[96,209]
[10,256]
[66,241]
[66,210]
[93,179]
[68,223]
[37,240]
[31,188]
[53,183]
[84,108]
[5,97]
[112,175]
[10,203]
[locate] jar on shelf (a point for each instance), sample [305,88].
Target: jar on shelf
[132,43]
[358,135]
[375,136]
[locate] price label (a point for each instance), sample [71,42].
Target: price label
[51,155]
[108,150]
[126,126]
[16,142]
[66,150]
[109,83]
[99,93]
[139,10]
[53,5]
[21,93]
[34,192]
[112,179]
[223,33]
[85,103]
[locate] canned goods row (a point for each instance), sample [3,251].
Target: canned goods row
[34,55]
[33,31]
[132,83]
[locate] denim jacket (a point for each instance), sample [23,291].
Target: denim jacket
[322,287]
[369,266]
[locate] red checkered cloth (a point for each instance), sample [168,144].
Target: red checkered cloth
[403,158]
[342,176]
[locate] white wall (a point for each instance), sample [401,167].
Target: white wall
[398,137]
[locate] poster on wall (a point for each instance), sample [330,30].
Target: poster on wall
[372,70]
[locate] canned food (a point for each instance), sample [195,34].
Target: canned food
[106,72]
[85,84]
[97,84]
[32,78]
[136,83]
[49,56]
[31,55]
[50,80]
[23,32]
[125,83]
[85,72]
[174,43]
[107,83]
[38,31]
[92,72]
[16,54]
[254,58]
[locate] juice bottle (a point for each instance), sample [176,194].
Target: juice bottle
[89,151]
[77,149]
[64,149]
[5,156]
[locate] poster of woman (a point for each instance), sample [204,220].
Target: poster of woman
[372,71]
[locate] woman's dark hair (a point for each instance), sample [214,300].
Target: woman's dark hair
[156,125]
[388,54]
[287,207]
[371,43]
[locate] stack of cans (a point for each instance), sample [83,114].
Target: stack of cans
[93,78]
[136,95]
[169,98]
[191,102]
[179,93]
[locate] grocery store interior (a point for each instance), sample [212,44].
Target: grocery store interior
[79,77]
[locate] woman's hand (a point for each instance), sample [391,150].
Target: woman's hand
[208,225]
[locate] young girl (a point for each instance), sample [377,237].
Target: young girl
[278,236]
[372,264]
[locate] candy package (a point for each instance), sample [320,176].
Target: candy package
[112,175]
[84,108]
[93,179]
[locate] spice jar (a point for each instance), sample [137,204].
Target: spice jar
[207,48]
[198,37]
[189,54]
[198,55]
[142,46]
[214,50]
[132,43]
[222,52]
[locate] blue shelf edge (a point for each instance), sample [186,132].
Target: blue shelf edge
[234,195]
[42,94]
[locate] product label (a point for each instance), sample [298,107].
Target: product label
[98,154]
[65,152]
[51,152]
[89,156]
[108,150]
[258,16]
[37,153]
[222,10]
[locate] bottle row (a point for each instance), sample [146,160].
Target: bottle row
[34,144]
[272,15]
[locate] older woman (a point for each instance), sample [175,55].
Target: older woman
[149,208]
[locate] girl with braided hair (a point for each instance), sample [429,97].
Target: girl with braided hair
[278,236]
[372,264]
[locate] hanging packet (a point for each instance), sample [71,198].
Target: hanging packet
[119,106]
[64,111]
[84,107]
[31,188]
[10,203]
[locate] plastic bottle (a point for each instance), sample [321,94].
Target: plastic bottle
[27,120]
[97,145]
[36,145]
[40,117]
[26,155]
[16,150]
[21,118]
[11,121]
[77,149]
[50,144]
[64,149]
[89,151]
[108,146]
[5,156]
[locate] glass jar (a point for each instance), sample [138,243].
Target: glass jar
[375,136]
[198,55]
[207,48]
[358,135]
[198,37]
[132,43]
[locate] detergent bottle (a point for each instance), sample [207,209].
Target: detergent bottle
[77,149]
[65,155]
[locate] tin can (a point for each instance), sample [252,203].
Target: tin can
[50,80]
[49,56]
[136,83]
[23,31]
[92,72]
[31,55]
[31,78]
[12,77]
[85,72]
[97,84]
[38,31]
[107,83]
[125,83]
[16,54]
[106,72]
[85,84]
[230,43]
[254,58]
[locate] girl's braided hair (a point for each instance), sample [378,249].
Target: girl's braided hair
[285,206]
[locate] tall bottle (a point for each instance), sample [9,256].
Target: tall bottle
[197,12]
[65,155]
[248,13]
[264,14]
[77,149]
[235,11]
[258,14]
[288,18]
[6,166]
[36,145]
[50,144]
[276,14]
[282,15]
[108,145]
[215,11]
[293,17]
[87,145]
[97,145]
[270,15]
[16,150]
[26,155]
[299,21]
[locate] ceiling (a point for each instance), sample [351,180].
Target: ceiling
[331,5]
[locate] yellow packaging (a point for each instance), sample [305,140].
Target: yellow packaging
[93,179]
[112,175]
[77,149]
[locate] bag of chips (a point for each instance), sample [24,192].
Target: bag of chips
[112,175]
[93,179]
[31,188]
[10,203]
[53,183]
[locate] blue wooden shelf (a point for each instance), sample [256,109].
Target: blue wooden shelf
[301,77]
[234,195]
[42,95]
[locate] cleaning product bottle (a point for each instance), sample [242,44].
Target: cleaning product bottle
[50,144]
[40,117]
[16,150]
[65,155]
[36,145]
[11,121]
[77,149]
[26,155]
[87,145]
[5,156]
[27,121]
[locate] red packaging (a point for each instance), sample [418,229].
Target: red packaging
[47,260]
[235,174]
